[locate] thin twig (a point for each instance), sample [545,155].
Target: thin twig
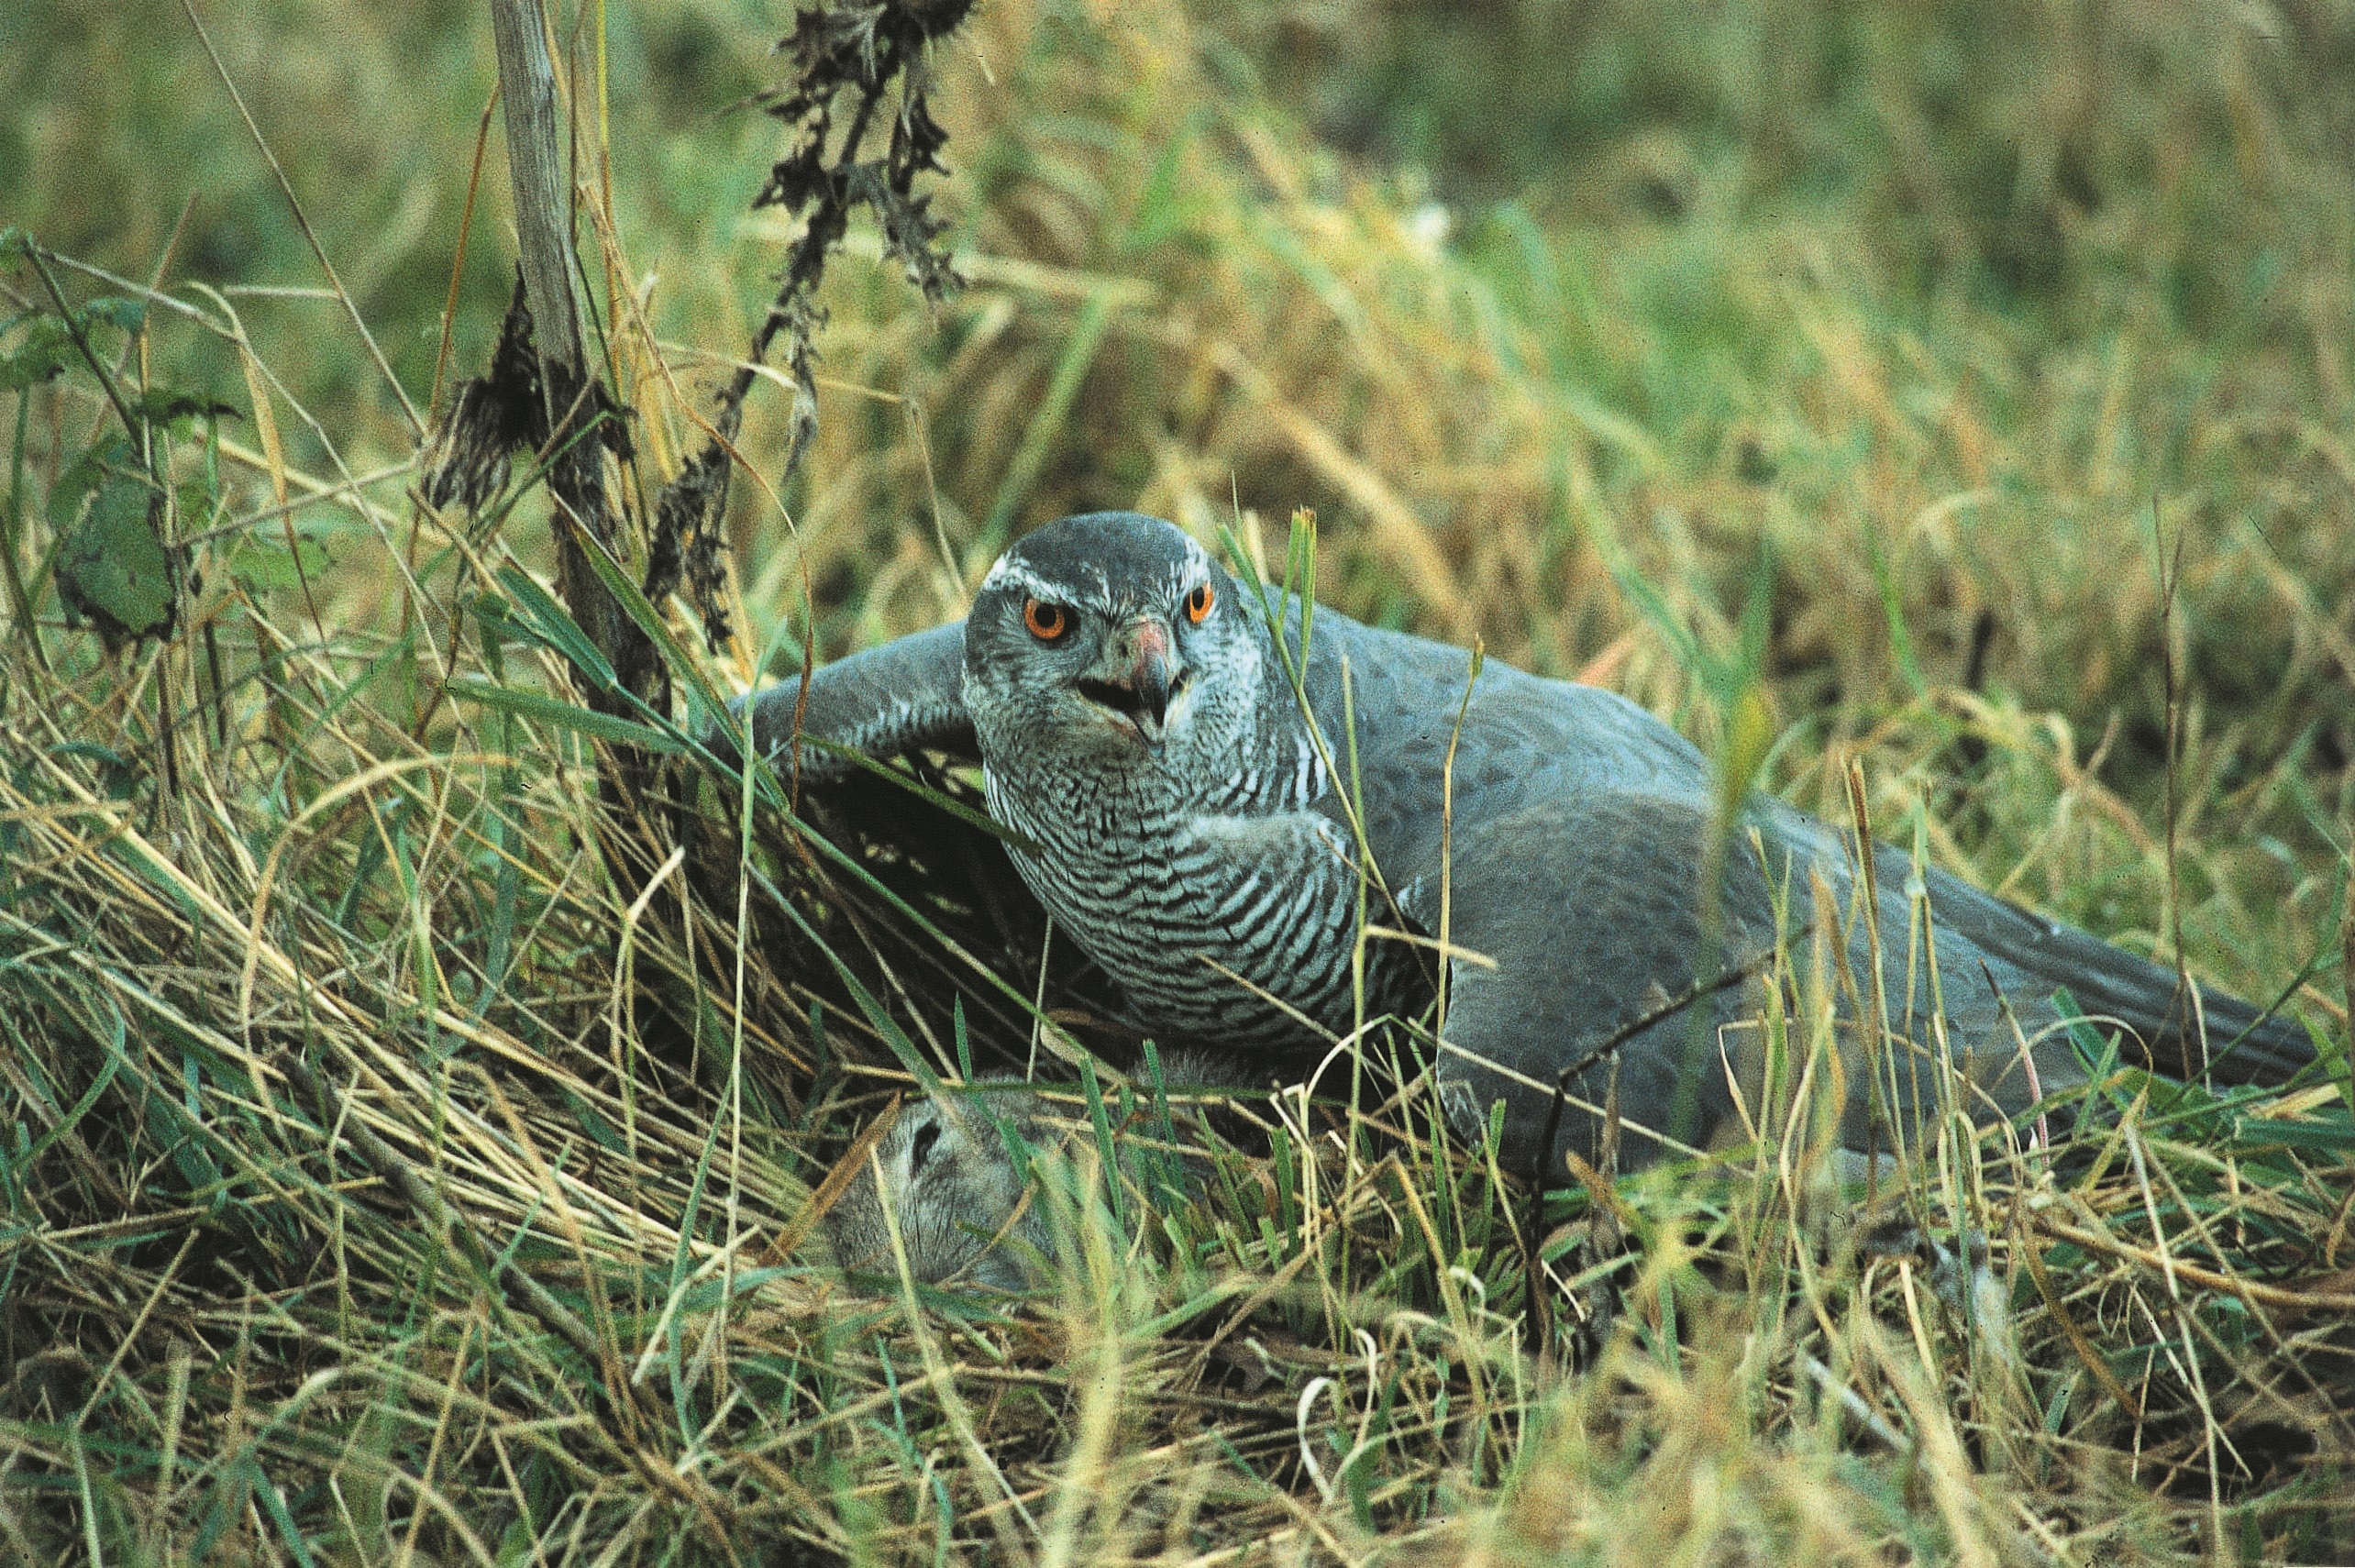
[2191,1020]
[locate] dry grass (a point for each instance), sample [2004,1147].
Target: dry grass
[389,1182]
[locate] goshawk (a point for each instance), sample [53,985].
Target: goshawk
[1221,837]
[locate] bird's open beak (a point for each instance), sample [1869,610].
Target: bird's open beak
[1137,676]
[1150,675]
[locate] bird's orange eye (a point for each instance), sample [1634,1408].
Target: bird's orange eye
[1198,602]
[1046,622]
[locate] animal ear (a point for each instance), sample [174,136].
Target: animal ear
[921,1147]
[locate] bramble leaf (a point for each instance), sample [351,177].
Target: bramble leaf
[113,570]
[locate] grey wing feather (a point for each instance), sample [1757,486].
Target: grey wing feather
[1548,776]
[1587,917]
[1589,908]
[906,695]
[2032,957]
[1525,740]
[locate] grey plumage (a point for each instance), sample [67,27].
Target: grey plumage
[1187,831]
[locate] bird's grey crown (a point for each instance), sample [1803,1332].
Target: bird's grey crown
[1104,562]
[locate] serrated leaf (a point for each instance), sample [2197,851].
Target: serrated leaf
[113,570]
[40,355]
[47,347]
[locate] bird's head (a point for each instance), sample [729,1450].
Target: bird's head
[1113,641]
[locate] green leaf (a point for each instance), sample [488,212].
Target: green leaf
[261,561]
[83,476]
[41,355]
[541,617]
[1094,1094]
[685,670]
[129,314]
[2323,1137]
[1168,204]
[82,1107]
[47,347]
[113,570]
[1893,611]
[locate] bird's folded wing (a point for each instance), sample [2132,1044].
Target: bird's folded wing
[1561,750]
[1423,755]
[907,695]
[1997,958]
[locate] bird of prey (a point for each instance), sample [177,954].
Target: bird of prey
[1260,820]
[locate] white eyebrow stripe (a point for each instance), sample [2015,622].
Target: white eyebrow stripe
[1009,570]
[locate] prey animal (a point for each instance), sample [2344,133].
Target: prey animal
[963,1207]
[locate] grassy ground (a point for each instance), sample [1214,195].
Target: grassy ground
[389,1183]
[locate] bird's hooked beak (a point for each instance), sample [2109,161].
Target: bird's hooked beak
[1137,676]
